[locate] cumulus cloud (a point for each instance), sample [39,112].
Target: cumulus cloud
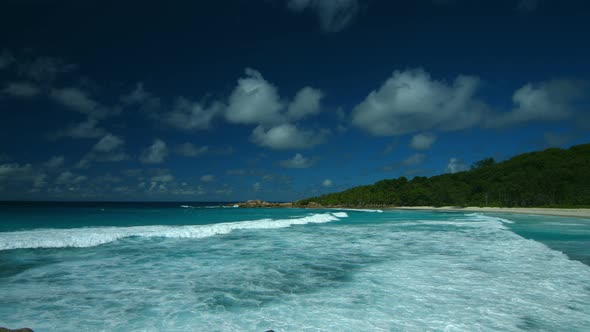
[108,143]
[17,175]
[190,150]
[163,178]
[189,115]
[137,96]
[287,136]
[207,178]
[108,149]
[79,101]
[86,129]
[21,90]
[145,101]
[414,159]
[544,101]
[155,153]
[422,141]
[305,103]
[412,101]
[455,165]
[327,183]
[254,101]
[334,15]
[69,178]
[298,161]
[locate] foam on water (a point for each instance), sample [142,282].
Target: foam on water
[93,236]
[425,272]
[359,210]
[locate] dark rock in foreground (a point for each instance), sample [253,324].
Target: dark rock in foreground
[24,329]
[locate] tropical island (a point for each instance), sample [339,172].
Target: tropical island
[553,178]
[550,180]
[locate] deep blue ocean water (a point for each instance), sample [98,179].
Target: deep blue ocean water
[203,267]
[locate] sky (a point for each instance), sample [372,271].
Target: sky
[279,99]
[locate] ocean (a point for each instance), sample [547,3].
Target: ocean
[205,267]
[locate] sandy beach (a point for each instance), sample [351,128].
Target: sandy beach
[578,213]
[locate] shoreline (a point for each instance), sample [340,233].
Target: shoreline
[558,212]
[575,213]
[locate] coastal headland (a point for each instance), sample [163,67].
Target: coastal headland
[576,213]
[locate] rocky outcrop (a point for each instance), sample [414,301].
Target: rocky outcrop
[24,329]
[262,204]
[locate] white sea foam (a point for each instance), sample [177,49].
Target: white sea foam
[94,236]
[476,276]
[358,210]
[340,214]
[202,207]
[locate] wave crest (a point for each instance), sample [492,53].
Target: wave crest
[94,236]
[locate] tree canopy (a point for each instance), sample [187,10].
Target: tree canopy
[553,177]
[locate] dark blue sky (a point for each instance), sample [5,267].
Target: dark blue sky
[279,99]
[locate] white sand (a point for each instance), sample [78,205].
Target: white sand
[579,213]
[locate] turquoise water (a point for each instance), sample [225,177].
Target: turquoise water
[163,267]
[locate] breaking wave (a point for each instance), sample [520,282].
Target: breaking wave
[94,236]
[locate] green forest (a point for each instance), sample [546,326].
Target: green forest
[550,178]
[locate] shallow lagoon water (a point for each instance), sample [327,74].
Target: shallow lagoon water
[155,267]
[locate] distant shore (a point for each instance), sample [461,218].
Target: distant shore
[577,213]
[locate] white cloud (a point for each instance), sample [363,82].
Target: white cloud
[422,141]
[455,165]
[108,143]
[14,174]
[146,101]
[287,136]
[108,149]
[137,96]
[55,162]
[327,183]
[306,102]
[86,129]
[163,178]
[189,150]
[69,178]
[188,115]
[411,101]
[544,101]
[155,153]
[257,187]
[207,178]
[334,15]
[254,101]
[298,161]
[79,101]
[21,90]
[13,168]
[414,159]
